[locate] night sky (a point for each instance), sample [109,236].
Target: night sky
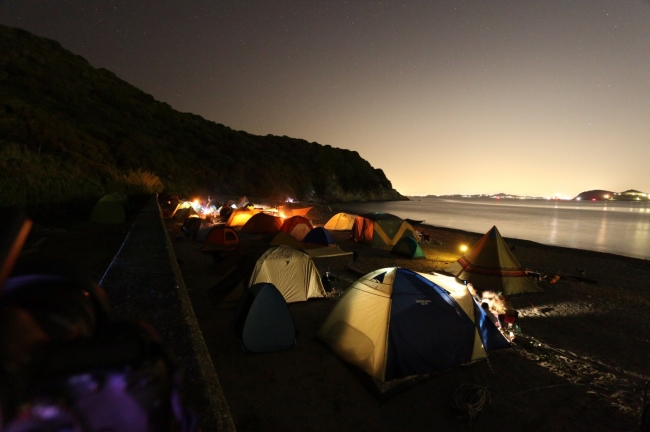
[540,98]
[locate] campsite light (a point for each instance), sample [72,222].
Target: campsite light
[463,248]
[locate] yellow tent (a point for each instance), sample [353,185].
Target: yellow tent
[340,222]
[397,325]
[292,272]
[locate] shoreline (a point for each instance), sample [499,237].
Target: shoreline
[567,341]
[341,207]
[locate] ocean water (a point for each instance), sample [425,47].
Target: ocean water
[621,228]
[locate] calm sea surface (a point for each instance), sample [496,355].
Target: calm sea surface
[621,228]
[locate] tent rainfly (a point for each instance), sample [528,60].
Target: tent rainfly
[380,229]
[490,265]
[297,226]
[340,222]
[408,247]
[292,272]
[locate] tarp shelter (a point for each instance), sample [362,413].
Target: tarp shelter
[240,216]
[112,209]
[328,252]
[297,226]
[408,247]
[340,222]
[287,212]
[262,320]
[292,272]
[380,229]
[262,223]
[318,237]
[490,265]
[397,325]
[221,238]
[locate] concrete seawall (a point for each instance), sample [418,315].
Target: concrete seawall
[144,283]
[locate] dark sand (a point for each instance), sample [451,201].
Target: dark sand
[581,363]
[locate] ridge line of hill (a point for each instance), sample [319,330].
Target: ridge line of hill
[69,130]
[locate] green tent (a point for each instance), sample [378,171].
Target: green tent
[490,265]
[111,209]
[408,247]
[380,229]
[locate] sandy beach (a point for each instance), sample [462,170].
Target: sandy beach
[580,364]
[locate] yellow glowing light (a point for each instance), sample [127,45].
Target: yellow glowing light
[463,248]
[196,201]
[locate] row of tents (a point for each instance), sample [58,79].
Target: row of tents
[488,265]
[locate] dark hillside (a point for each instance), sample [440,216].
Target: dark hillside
[69,130]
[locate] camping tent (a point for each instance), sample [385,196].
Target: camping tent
[282,238]
[183,210]
[340,222]
[111,208]
[398,325]
[240,216]
[490,265]
[490,335]
[262,223]
[292,272]
[318,237]
[220,238]
[243,202]
[380,229]
[192,225]
[408,247]
[262,320]
[297,226]
[286,211]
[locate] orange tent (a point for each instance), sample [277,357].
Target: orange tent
[297,226]
[240,216]
[220,238]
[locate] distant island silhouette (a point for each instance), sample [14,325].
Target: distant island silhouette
[590,195]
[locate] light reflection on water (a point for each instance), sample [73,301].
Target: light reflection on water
[621,228]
